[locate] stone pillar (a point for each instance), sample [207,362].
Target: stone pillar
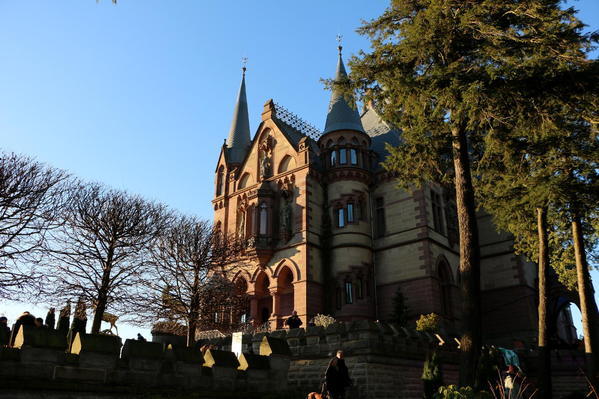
[254,309]
[276,309]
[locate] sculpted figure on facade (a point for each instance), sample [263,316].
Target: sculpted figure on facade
[285,216]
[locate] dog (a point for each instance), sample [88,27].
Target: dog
[316,395]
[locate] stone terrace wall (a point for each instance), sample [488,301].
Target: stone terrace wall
[384,361]
[40,362]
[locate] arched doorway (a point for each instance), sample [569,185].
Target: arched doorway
[242,309]
[264,299]
[285,291]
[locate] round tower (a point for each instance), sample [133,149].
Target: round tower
[344,147]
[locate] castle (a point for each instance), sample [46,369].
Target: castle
[328,230]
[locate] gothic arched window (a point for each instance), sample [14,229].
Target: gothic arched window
[243,182]
[333,158]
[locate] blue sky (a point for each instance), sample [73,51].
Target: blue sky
[140,95]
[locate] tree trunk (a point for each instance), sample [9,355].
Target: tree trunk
[102,298]
[194,309]
[191,329]
[544,353]
[588,307]
[100,308]
[470,342]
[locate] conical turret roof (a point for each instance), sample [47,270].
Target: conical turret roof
[239,140]
[341,116]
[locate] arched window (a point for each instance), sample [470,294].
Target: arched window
[263,219]
[333,158]
[350,212]
[286,164]
[353,156]
[243,182]
[340,217]
[349,292]
[220,180]
[342,156]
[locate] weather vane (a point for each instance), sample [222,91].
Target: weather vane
[339,40]
[244,62]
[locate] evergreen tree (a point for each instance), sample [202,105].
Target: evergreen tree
[448,72]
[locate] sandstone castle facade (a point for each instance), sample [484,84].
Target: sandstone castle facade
[329,232]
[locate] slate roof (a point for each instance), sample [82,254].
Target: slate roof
[341,115]
[239,140]
[380,133]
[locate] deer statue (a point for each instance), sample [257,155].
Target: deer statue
[110,318]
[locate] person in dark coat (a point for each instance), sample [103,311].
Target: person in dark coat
[294,321]
[337,376]
[4,331]
[51,319]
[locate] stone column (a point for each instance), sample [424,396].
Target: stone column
[254,309]
[276,308]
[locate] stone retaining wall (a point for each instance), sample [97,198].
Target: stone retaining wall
[41,362]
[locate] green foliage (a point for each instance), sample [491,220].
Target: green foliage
[429,323]
[400,310]
[431,375]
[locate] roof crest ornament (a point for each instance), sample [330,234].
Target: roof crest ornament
[339,40]
[244,62]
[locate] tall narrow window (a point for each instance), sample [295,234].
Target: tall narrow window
[380,217]
[333,158]
[353,156]
[341,217]
[349,294]
[343,156]
[263,219]
[437,212]
[338,297]
[350,213]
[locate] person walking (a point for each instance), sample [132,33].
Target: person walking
[294,321]
[337,376]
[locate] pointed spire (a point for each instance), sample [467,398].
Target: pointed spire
[341,116]
[239,135]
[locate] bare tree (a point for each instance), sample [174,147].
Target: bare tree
[31,197]
[189,283]
[101,252]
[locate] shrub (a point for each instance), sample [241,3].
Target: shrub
[428,323]
[323,320]
[453,392]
